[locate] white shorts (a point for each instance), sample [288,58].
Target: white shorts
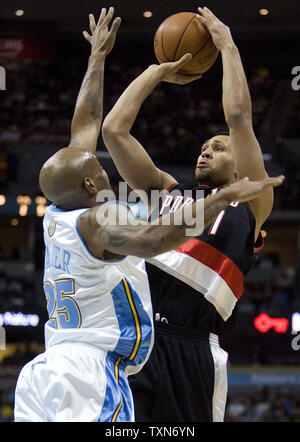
[74,383]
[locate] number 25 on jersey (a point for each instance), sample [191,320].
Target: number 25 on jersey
[60,305]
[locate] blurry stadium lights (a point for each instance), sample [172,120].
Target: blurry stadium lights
[2,200]
[19,319]
[263,11]
[40,210]
[147,14]
[40,205]
[296,322]
[263,323]
[14,222]
[23,201]
[23,210]
[19,12]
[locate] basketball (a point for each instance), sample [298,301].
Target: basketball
[182,33]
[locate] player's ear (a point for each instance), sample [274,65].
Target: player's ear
[89,185]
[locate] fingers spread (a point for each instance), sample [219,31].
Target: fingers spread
[108,18]
[116,24]
[87,36]
[276,181]
[92,23]
[102,16]
[208,12]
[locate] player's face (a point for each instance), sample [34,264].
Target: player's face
[215,166]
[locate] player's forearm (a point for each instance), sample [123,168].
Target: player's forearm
[89,105]
[236,96]
[167,233]
[186,223]
[122,116]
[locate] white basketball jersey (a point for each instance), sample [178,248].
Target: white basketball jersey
[89,300]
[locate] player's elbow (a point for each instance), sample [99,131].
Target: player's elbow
[238,117]
[111,129]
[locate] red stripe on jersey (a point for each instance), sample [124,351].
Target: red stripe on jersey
[171,186]
[259,243]
[217,261]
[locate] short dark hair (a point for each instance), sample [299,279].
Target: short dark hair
[222,132]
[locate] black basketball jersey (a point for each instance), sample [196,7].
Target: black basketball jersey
[197,285]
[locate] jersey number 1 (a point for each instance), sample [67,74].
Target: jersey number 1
[216,223]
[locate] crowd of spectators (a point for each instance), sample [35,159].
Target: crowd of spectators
[276,404]
[269,288]
[42,97]
[6,406]
[292,129]
[173,122]
[17,293]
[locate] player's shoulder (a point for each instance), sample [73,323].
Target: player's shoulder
[175,187]
[110,213]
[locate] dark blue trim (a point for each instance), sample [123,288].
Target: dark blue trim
[57,209]
[116,391]
[106,261]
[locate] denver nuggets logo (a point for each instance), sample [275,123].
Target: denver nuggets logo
[51,228]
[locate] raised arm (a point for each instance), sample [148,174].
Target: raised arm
[147,240]
[87,118]
[238,114]
[132,161]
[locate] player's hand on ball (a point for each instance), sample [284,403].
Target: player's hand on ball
[101,38]
[169,72]
[246,190]
[219,32]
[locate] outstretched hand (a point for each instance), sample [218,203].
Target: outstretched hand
[246,190]
[220,33]
[170,71]
[101,39]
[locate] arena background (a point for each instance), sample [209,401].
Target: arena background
[45,56]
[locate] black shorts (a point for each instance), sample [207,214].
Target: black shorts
[185,379]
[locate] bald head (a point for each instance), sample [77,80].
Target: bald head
[72,177]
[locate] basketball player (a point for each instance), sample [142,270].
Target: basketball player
[194,287]
[98,300]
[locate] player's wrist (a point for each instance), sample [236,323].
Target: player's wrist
[228,46]
[97,58]
[156,73]
[226,195]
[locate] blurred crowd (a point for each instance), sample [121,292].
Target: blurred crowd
[269,288]
[41,102]
[16,293]
[276,404]
[6,406]
[179,118]
[41,96]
